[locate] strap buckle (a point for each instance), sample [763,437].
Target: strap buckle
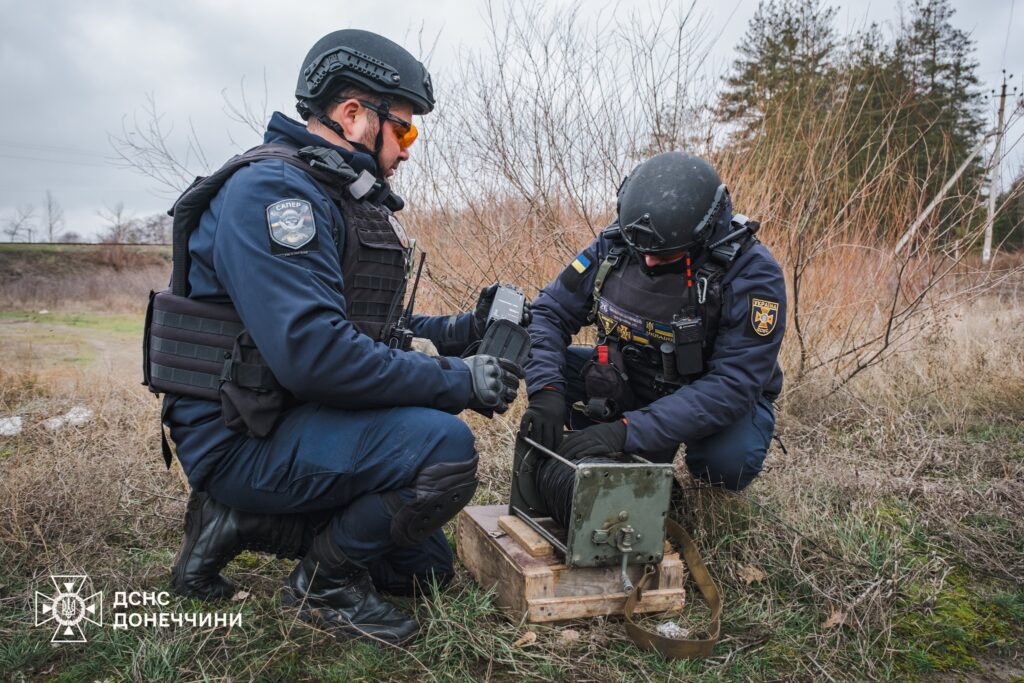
[227,372]
[329,160]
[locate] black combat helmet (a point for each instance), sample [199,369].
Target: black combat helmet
[671,202]
[351,57]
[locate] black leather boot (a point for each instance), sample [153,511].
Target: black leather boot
[215,534]
[337,595]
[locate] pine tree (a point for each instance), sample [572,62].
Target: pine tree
[1009,226]
[936,60]
[788,50]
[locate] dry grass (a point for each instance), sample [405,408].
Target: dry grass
[86,277]
[890,534]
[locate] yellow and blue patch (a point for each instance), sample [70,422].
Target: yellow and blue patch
[581,264]
[573,274]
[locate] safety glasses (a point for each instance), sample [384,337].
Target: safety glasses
[405,132]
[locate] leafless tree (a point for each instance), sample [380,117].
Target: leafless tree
[21,225]
[71,237]
[122,228]
[155,229]
[145,144]
[539,128]
[242,109]
[54,216]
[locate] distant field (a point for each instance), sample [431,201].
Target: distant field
[98,277]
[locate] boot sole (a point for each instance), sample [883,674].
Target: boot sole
[346,632]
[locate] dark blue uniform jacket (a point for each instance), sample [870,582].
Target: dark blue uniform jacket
[741,368]
[293,307]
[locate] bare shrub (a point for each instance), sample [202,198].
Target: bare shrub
[521,171]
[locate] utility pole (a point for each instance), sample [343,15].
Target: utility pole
[993,185]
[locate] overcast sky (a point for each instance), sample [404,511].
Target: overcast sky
[70,71]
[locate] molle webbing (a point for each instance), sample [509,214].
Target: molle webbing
[374,267]
[188,343]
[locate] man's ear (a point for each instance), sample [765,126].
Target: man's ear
[346,114]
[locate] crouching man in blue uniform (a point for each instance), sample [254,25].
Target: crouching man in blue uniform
[690,313]
[305,426]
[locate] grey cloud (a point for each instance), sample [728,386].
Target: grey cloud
[69,72]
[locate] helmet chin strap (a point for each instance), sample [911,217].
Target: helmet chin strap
[323,118]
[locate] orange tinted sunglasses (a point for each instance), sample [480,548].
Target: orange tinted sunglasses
[405,131]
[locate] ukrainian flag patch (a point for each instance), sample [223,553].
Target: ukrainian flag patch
[581,264]
[573,274]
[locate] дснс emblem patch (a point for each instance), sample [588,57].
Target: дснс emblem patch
[291,226]
[764,316]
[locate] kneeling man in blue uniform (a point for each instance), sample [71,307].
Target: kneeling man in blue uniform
[690,312]
[305,426]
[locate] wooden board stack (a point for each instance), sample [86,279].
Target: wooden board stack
[504,553]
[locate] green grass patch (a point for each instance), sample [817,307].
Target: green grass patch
[947,629]
[992,432]
[122,324]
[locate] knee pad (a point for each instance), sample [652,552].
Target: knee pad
[435,496]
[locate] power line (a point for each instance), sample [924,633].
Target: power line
[1009,24]
[67,162]
[62,149]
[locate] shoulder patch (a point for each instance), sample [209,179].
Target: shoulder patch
[764,315]
[574,272]
[292,227]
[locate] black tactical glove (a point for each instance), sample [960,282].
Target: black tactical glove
[544,418]
[483,309]
[601,439]
[495,383]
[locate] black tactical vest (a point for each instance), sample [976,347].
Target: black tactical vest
[374,265]
[200,349]
[633,312]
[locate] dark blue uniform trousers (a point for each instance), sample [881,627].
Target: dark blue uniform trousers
[730,458]
[337,464]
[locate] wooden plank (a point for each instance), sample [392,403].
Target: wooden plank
[489,569]
[587,606]
[529,540]
[593,580]
[543,589]
[672,572]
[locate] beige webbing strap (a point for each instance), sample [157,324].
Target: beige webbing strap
[677,648]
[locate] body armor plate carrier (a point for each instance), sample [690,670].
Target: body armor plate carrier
[634,314]
[200,349]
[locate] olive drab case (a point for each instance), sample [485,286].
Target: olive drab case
[618,518]
[200,348]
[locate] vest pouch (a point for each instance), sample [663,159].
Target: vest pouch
[251,398]
[186,342]
[374,262]
[606,384]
